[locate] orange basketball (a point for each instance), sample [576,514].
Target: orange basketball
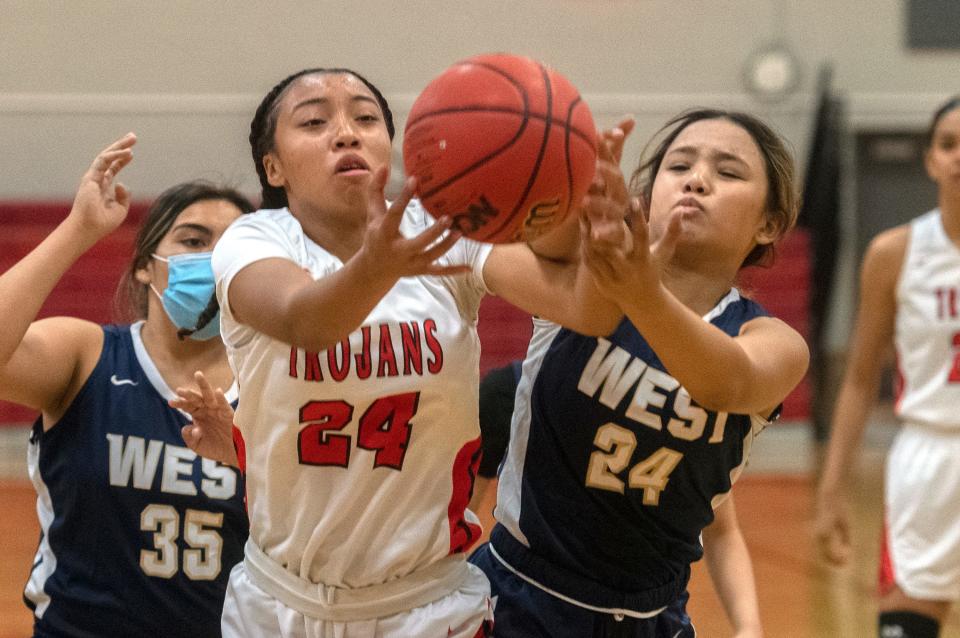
[503,145]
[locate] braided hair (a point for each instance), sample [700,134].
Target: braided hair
[263,127]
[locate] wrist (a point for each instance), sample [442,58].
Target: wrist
[373,272]
[77,235]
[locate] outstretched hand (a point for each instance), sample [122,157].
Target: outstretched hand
[101,204]
[211,433]
[614,234]
[606,206]
[387,248]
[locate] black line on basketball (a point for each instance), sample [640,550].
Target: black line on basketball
[483,160]
[566,152]
[535,171]
[549,120]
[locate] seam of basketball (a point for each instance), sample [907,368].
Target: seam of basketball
[535,171]
[566,150]
[549,120]
[483,160]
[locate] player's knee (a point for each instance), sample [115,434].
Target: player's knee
[907,624]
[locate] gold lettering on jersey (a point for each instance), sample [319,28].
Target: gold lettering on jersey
[612,371]
[385,351]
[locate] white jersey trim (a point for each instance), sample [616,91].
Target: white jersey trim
[573,601]
[45,561]
[153,374]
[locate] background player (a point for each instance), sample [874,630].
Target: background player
[909,286]
[621,447]
[138,534]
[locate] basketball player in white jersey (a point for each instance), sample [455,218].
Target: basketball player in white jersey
[360,440]
[909,289]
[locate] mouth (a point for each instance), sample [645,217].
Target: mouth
[689,204]
[351,165]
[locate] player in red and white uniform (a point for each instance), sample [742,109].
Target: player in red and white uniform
[910,284]
[361,439]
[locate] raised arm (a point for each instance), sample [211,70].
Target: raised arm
[544,276]
[278,298]
[872,343]
[731,571]
[38,360]
[747,374]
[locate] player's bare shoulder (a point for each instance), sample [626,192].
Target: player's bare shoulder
[884,256]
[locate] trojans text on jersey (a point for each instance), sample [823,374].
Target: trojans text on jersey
[379,356]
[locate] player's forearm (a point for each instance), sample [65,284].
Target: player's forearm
[325,312]
[731,571]
[25,287]
[705,360]
[846,431]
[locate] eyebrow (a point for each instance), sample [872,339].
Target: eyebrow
[719,155]
[322,100]
[189,226]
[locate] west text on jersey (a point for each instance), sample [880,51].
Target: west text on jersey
[135,461]
[657,399]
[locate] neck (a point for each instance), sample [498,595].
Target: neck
[339,231]
[949,204]
[697,288]
[160,338]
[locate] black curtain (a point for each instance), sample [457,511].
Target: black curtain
[820,213]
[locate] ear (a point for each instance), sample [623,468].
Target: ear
[273,168]
[769,232]
[142,275]
[928,163]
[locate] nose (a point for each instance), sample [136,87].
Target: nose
[346,136]
[694,184]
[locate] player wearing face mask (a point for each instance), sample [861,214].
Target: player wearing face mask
[138,534]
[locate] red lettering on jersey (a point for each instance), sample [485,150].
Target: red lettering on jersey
[388,359]
[311,366]
[946,303]
[364,367]
[412,347]
[955,368]
[339,366]
[385,428]
[429,331]
[315,445]
[463,533]
[293,362]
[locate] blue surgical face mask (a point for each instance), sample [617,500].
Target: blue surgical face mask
[190,285]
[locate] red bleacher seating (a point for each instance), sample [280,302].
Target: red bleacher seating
[87,290]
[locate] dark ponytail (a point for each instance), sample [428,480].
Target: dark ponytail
[263,127]
[213,307]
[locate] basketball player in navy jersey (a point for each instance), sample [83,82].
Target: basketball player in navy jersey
[909,291]
[622,447]
[138,534]
[725,549]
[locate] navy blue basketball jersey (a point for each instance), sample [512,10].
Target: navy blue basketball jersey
[138,534]
[612,469]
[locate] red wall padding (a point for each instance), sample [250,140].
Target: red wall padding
[87,290]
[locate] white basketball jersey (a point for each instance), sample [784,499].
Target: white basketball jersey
[927,335]
[360,459]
